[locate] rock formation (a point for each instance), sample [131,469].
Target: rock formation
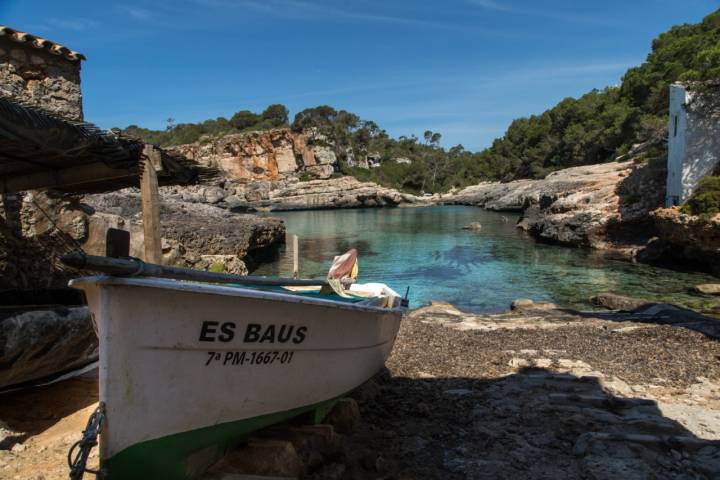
[692,241]
[194,235]
[269,155]
[600,206]
[39,343]
[281,169]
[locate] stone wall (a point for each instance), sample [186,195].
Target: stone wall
[40,78]
[265,155]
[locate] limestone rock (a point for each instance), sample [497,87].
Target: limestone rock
[260,457]
[690,240]
[342,192]
[521,303]
[593,205]
[612,301]
[474,226]
[194,230]
[40,343]
[708,288]
[222,264]
[344,415]
[269,155]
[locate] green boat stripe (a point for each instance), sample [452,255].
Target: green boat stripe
[186,455]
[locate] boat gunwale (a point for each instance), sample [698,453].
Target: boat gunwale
[239,291]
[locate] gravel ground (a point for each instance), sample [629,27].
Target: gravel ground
[537,395]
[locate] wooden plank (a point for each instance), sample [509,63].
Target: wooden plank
[68,177]
[150,200]
[296,257]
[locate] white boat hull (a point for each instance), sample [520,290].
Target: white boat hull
[178,357]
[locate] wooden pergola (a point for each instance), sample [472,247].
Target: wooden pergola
[41,151]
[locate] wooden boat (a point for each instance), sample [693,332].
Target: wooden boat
[188,369]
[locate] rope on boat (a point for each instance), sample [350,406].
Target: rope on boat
[77,461]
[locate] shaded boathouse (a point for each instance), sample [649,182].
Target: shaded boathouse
[49,156]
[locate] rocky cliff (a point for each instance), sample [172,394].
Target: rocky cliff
[280,169]
[600,206]
[269,155]
[294,194]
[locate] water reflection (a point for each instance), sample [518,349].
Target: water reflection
[427,250]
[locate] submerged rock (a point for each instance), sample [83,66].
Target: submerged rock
[474,226]
[612,301]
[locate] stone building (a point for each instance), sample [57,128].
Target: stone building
[40,73]
[693,142]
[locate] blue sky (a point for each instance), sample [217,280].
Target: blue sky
[465,68]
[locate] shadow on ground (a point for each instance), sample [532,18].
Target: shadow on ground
[536,424]
[32,411]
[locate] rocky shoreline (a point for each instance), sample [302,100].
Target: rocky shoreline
[613,206]
[537,392]
[602,206]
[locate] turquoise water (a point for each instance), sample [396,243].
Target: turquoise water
[427,250]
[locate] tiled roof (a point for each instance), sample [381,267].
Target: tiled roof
[40,43]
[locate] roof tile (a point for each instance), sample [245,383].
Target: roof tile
[41,43]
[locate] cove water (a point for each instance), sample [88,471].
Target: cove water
[427,250]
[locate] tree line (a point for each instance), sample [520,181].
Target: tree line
[597,127]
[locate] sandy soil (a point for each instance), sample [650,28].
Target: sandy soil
[41,424]
[539,393]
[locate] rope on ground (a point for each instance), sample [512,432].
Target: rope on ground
[77,461]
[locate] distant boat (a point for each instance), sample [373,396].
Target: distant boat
[187,369]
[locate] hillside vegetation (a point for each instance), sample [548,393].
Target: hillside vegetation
[597,127]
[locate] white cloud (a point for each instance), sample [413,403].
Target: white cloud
[78,24]
[135,12]
[506,7]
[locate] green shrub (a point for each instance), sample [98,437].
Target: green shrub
[706,199]
[217,267]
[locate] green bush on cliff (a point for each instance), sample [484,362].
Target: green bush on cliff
[706,199]
[273,116]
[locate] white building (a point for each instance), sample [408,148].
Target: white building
[693,144]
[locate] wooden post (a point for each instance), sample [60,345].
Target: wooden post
[150,199]
[296,257]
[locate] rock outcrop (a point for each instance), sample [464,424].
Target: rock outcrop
[268,155]
[601,206]
[194,235]
[342,192]
[39,343]
[691,240]
[281,169]
[294,194]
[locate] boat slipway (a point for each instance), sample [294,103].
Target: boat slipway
[188,369]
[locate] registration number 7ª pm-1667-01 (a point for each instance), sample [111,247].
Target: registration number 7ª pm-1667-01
[249,358]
